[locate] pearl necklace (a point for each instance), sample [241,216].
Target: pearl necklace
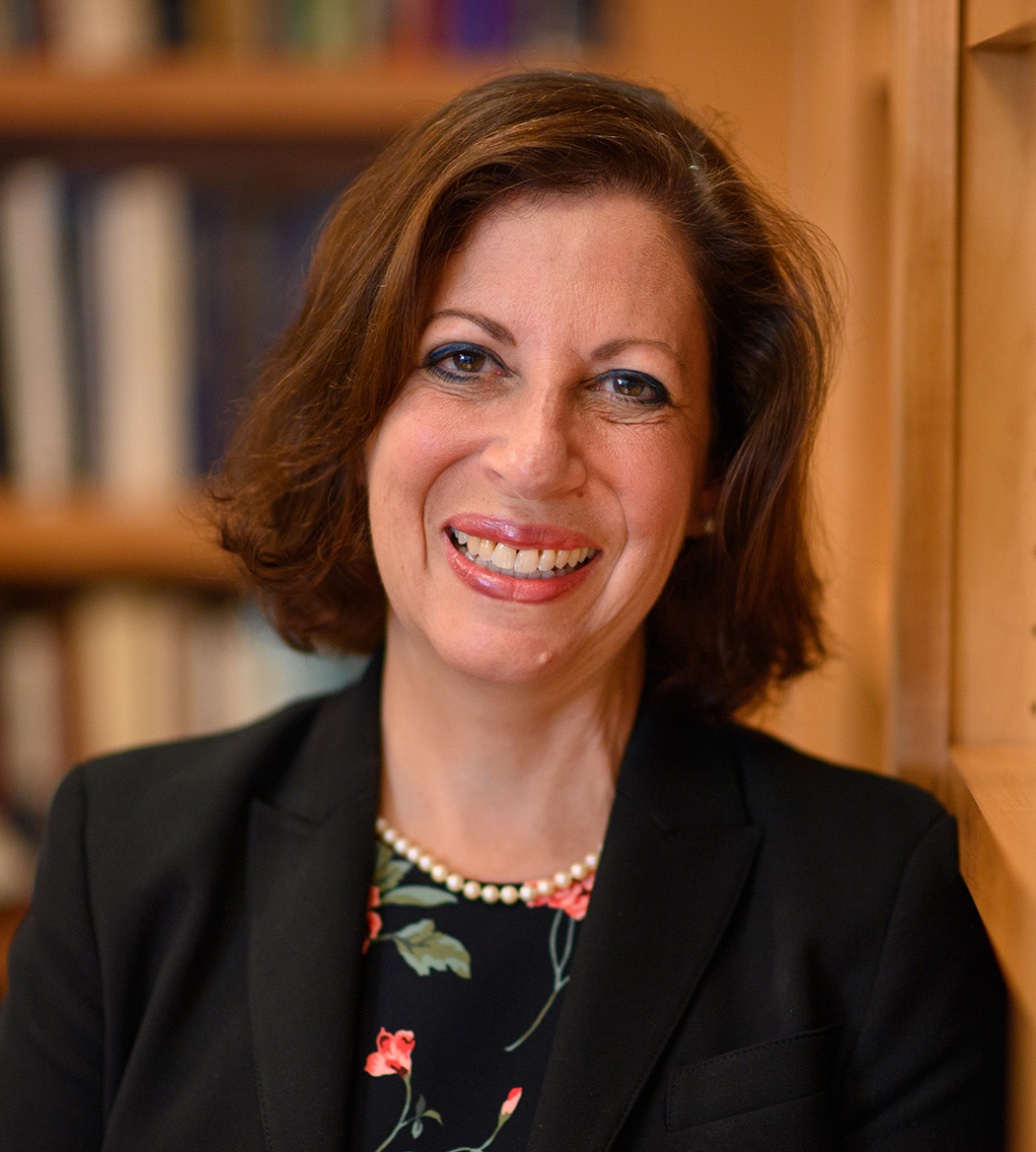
[474,889]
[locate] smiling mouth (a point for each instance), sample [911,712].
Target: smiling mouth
[523,563]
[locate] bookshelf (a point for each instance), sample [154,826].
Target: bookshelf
[299,124]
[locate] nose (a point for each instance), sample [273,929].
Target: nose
[532,451]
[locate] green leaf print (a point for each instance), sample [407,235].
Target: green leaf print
[428,950]
[422,895]
[388,872]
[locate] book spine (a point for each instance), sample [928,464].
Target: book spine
[336,28]
[479,26]
[102,33]
[34,310]
[144,335]
[127,661]
[32,714]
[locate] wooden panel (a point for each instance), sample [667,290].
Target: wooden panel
[1000,22]
[85,538]
[924,255]
[733,61]
[995,661]
[995,800]
[839,164]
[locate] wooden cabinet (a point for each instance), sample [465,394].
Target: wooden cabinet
[965,362]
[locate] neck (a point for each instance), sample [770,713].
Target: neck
[503,780]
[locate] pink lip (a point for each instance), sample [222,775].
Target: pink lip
[499,586]
[520,535]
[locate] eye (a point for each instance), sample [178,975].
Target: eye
[457,362]
[636,387]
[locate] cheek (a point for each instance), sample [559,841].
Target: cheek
[661,488]
[412,453]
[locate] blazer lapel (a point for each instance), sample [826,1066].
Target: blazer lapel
[311,858]
[676,856]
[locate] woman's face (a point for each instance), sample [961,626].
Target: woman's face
[534,481]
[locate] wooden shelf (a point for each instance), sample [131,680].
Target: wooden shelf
[994,797]
[85,538]
[997,813]
[206,98]
[1000,23]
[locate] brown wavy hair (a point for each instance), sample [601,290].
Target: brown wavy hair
[740,612]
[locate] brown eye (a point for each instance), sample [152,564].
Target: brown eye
[461,363]
[467,360]
[630,386]
[637,387]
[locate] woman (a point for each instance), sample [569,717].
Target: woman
[540,435]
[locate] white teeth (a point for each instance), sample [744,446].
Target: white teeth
[503,557]
[529,563]
[526,561]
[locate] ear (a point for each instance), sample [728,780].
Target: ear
[700,521]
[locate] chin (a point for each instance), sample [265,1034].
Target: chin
[517,663]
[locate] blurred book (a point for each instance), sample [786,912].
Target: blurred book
[34,748]
[102,33]
[473,26]
[125,645]
[35,312]
[144,335]
[234,28]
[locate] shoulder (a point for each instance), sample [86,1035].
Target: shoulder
[783,783]
[203,771]
[187,798]
[845,845]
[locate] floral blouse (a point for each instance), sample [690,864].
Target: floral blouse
[460,1000]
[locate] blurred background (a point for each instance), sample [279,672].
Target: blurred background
[164,165]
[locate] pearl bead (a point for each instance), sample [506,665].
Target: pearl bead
[528,892]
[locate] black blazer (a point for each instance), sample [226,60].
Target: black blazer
[778,955]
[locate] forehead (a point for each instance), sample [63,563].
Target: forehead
[603,252]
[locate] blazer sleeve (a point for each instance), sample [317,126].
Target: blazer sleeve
[926,1071]
[52,1020]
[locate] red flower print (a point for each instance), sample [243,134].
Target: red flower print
[374,921]
[392,1056]
[510,1103]
[574,899]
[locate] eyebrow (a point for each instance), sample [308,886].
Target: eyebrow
[497,331]
[614,347]
[605,351]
